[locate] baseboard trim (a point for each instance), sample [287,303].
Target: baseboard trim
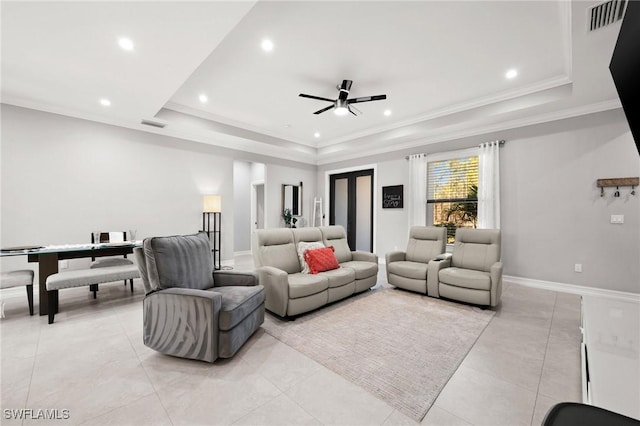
[573,289]
[242,253]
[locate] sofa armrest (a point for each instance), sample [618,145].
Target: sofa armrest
[234,278]
[364,256]
[395,256]
[433,280]
[443,256]
[496,283]
[276,288]
[164,313]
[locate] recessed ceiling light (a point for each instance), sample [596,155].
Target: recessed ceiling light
[105,102]
[267,45]
[125,43]
[203,98]
[512,73]
[316,135]
[387,112]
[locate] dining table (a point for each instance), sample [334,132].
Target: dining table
[47,258]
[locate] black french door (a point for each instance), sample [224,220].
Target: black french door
[351,205]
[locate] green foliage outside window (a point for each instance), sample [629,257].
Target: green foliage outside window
[453,194]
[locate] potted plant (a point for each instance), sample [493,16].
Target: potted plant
[289,219]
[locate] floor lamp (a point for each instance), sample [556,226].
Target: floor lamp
[212,204]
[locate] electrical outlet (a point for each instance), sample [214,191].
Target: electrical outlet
[617,218]
[64,264]
[578,267]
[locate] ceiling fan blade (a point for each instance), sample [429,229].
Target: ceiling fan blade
[320,111]
[351,111]
[366,99]
[302,95]
[344,89]
[353,107]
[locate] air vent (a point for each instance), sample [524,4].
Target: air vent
[606,13]
[153,123]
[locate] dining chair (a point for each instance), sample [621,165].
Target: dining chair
[103,262]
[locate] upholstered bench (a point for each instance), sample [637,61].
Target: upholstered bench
[22,277]
[85,277]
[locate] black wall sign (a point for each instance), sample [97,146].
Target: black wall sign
[392,197]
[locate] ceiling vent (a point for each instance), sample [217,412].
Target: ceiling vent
[153,123]
[606,13]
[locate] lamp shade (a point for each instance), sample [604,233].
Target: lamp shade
[211,204]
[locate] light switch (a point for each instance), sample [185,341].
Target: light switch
[617,218]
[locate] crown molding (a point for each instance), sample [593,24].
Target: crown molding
[540,86]
[234,143]
[184,109]
[458,132]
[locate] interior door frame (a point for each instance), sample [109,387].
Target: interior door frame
[374,200]
[254,203]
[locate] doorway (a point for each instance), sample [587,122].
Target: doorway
[351,206]
[257,205]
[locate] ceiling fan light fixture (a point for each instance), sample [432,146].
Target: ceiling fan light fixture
[341,107]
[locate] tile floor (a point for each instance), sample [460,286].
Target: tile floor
[92,362]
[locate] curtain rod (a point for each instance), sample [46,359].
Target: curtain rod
[500,143]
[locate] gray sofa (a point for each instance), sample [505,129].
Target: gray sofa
[189,310]
[291,292]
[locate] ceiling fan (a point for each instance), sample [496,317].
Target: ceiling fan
[342,105]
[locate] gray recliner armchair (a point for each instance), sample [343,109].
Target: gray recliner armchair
[189,310]
[474,272]
[411,269]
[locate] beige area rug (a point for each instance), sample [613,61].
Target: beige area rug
[400,346]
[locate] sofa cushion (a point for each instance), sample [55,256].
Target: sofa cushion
[476,248]
[425,243]
[237,304]
[301,285]
[321,259]
[339,277]
[361,269]
[414,270]
[275,247]
[303,246]
[467,278]
[182,261]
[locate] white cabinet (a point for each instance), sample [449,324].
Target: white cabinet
[611,354]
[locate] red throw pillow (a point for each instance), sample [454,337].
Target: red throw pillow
[321,259]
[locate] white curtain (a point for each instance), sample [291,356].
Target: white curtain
[489,185]
[417,202]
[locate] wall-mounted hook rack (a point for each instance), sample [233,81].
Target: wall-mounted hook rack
[618,182]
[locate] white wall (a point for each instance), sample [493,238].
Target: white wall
[244,174]
[552,214]
[63,178]
[275,177]
[392,223]
[242,177]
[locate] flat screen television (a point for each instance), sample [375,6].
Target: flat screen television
[625,67]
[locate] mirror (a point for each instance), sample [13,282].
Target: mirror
[292,198]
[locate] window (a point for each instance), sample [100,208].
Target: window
[452,193]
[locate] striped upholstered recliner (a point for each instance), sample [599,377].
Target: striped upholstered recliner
[189,310]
